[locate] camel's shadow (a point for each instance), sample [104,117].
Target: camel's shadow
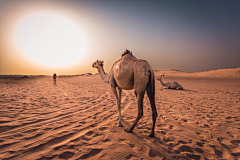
[183,90]
[154,143]
[188,90]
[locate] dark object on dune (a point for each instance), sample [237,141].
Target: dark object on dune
[25,77]
[54,78]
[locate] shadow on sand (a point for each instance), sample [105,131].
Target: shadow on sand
[183,90]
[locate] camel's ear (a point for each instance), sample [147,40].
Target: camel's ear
[101,62]
[97,60]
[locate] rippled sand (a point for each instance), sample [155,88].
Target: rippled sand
[75,119]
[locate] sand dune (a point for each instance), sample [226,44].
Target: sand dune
[220,73]
[75,119]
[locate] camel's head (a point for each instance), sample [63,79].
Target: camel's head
[97,64]
[161,77]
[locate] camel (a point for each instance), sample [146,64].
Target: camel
[170,85]
[131,73]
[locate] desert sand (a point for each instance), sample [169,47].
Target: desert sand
[75,119]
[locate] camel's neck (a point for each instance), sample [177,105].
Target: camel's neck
[103,75]
[162,81]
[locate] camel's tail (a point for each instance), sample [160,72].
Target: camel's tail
[152,81]
[151,96]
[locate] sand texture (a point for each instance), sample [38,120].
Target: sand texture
[75,119]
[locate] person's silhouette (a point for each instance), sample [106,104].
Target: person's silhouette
[54,78]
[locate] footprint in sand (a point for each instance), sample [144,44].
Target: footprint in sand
[151,153]
[121,139]
[200,144]
[44,157]
[102,128]
[59,147]
[167,139]
[236,152]
[235,142]
[82,122]
[131,145]
[184,119]
[160,125]
[199,150]
[6,145]
[182,142]
[66,155]
[75,140]
[46,129]
[33,136]
[106,140]
[92,153]
[193,156]
[89,133]
[131,156]
[96,135]
[218,152]
[183,148]
[228,117]
[86,138]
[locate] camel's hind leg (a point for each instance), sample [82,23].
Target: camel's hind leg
[151,96]
[179,88]
[141,79]
[119,107]
[140,111]
[118,97]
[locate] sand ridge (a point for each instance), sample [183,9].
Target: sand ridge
[220,73]
[75,119]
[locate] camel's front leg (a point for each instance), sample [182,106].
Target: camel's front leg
[118,97]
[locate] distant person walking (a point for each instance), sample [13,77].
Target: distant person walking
[54,78]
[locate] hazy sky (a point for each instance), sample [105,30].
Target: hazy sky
[66,37]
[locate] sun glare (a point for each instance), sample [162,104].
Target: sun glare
[49,40]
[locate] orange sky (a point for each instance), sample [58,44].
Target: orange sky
[196,36]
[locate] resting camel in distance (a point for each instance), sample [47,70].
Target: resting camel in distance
[170,85]
[131,73]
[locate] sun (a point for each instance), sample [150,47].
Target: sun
[50,40]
